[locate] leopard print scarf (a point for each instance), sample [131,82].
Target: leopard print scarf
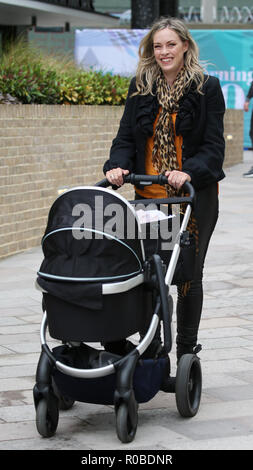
[164,155]
[164,139]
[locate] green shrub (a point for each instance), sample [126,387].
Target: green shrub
[32,76]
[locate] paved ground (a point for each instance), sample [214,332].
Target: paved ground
[225,418]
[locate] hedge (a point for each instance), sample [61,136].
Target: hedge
[31,76]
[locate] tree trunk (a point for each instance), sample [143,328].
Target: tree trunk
[144,13]
[169,8]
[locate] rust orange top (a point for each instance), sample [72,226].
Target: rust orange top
[155,190]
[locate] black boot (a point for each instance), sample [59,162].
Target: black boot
[187,349]
[189,309]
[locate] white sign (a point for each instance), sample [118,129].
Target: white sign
[109,50]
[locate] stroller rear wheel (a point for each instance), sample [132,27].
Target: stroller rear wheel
[46,420]
[125,429]
[188,385]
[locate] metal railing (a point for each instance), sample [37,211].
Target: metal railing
[238,15]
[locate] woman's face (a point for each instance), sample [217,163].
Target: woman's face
[169,52]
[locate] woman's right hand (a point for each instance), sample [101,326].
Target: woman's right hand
[115,176]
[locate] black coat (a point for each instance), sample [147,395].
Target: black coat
[199,121]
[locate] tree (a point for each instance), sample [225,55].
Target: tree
[145,12]
[169,8]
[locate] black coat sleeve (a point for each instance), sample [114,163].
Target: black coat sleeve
[123,149]
[205,166]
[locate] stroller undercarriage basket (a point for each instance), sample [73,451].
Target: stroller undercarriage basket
[147,379]
[98,286]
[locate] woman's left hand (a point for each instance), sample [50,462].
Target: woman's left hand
[177,178]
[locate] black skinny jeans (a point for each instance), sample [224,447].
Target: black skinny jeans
[189,307]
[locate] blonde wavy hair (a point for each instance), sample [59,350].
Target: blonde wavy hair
[148,69]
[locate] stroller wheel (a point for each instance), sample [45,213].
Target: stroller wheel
[46,421]
[188,385]
[125,429]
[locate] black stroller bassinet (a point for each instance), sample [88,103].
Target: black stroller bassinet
[98,286]
[89,267]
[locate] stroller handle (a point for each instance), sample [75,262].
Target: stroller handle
[151,179]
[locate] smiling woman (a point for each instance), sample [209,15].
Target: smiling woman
[173,125]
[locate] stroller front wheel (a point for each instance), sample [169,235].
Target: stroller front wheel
[46,421]
[125,429]
[188,385]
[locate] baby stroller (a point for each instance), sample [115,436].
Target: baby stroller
[99,286]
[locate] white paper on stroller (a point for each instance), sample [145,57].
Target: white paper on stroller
[146,217]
